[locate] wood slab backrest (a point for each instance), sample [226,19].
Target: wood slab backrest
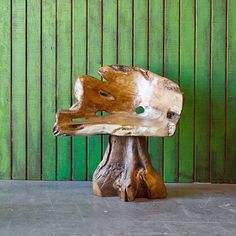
[120,94]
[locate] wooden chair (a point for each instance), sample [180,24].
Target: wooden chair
[137,103]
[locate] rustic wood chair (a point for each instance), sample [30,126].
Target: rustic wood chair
[138,103]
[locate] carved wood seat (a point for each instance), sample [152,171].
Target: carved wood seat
[137,103]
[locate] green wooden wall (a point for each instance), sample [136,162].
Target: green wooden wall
[46,44]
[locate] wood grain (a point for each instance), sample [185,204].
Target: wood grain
[126,171]
[122,95]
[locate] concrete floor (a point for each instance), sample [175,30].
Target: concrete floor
[69,208]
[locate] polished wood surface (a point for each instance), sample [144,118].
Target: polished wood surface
[138,103]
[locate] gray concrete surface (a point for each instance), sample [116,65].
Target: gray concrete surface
[69,208]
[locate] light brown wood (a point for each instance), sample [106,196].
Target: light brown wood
[139,103]
[124,89]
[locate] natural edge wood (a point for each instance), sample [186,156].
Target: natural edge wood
[126,171]
[124,90]
[137,103]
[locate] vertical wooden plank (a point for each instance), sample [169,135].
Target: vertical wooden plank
[109,42]
[218,91]
[78,68]
[64,84]
[48,89]
[5,89]
[171,72]
[18,89]
[231,94]
[94,63]
[156,66]
[186,127]
[33,90]
[202,75]
[140,33]
[125,32]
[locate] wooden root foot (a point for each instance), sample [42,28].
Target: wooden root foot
[126,171]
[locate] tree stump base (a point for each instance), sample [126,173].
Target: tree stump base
[126,171]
